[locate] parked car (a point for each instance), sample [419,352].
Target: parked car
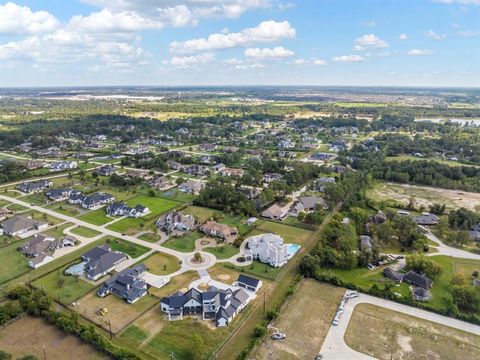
[319,357]
[351,294]
[278,336]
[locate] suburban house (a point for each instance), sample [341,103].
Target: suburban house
[191,187]
[218,167]
[214,229]
[100,260]
[232,172]
[161,183]
[35,164]
[17,225]
[122,209]
[427,219]
[269,249]
[231,149]
[248,283]
[93,201]
[214,304]
[4,213]
[378,219]
[63,166]
[249,192]
[418,280]
[174,165]
[207,147]
[137,174]
[34,186]
[175,220]
[60,194]
[126,284]
[307,203]
[197,170]
[396,277]
[474,233]
[421,294]
[272,177]
[320,183]
[274,212]
[106,170]
[41,248]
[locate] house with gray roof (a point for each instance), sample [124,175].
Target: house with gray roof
[34,186]
[61,194]
[92,201]
[101,260]
[17,225]
[474,233]
[176,221]
[427,219]
[418,280]
[127,284]
[122,209]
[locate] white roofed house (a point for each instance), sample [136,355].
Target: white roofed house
[122,209]
[191,187]
[63,166]
[269,249]
[175,220]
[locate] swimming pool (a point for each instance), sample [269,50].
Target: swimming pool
[292,249]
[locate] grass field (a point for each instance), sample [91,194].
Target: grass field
[161,264]
[84,231]
[96,217]
[13,263]
[57,231]
[68,210]
[306,330]
[392,335]
[223,251]
[120,313]
[257,269]
[290,234]
[184,243]
[34,336]
[65,288]
[201,213]
[150,237]
[127,247]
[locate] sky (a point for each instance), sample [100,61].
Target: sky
[240,42]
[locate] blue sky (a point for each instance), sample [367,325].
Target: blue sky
[240,42]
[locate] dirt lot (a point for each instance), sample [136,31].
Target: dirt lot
[120,313]
[32,335]
[425,195]
[395,336]
[305,320]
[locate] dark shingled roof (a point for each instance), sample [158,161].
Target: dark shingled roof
[417,279]
[248,280]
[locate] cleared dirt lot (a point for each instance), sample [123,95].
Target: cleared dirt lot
[392,336]
[120,313]
[305,320]
[425,195]
[32,335]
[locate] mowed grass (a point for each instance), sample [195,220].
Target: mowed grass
[12,263]
[183,243]
[392,335]
[305,320]
[201,213]
[67,289]
[161,264]
[257,269]
[127,247]
[157,206]
[223,251]
[290,234]
[84,231]
[96,217]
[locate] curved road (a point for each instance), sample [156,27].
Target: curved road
[334,346]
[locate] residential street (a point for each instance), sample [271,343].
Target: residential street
[334,346]
[450,251]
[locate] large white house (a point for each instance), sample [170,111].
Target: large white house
[269,249]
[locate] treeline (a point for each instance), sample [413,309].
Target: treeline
[429,173]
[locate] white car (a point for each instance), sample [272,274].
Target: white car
[278,336]
[351,294]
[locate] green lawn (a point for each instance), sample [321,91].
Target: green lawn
[12,263]
[96,217]
[257,269]
[150,237]
[290,234]
[184,243]
[64,209]
[223,251]
[84,231]
[161,264]
[201,213]
[67,288]
[16,207]
[127,247]
[37,199]
[3,203]
[177,195]
[57,231]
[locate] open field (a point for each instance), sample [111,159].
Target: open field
[96,217]
[290,234]
[34,336]
[161,264]
[85,232]
[201,213]
[64,288]
[465,267]
[120,313]
[424,195]
[305,320]
[436,159]
[392,335]
[127,247]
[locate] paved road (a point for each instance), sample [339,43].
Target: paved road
[334,346]
[450,251]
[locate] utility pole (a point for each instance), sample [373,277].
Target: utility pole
[264,302]
[110,326]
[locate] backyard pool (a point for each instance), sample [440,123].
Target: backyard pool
[292,249]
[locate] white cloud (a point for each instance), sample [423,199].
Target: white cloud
[348,58]
[463,2]
[403,36]
[233,61]
[433,35]
[266,31]
[269,53]
[319,62]
[312,61]
[187,62]
[369,41]
[250,66]
[468,33]
[419,52]
[16,19]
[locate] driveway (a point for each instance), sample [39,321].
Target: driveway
[450,251]
[334,346]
